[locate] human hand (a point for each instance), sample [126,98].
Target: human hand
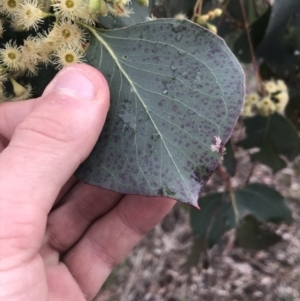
[60,238]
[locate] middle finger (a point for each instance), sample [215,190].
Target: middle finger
[80,207]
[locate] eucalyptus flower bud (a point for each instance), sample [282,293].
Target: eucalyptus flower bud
[98,7]
[218,12]
[212,28]
[202,20]
[143,2]
[18,89]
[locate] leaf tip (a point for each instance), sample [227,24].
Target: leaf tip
[196,206]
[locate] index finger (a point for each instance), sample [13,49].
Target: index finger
[111,237]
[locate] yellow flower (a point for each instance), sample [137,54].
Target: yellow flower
[30,49]
[281,86]
[66,56]
[248,111]
[283,99]
[45,48]
[10,56]
[9,7]
[15,25]
[252,98]
[266,107]
[271,86]
[69,9]
[68,33]
[29,15]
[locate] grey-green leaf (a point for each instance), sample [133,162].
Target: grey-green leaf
[176,93]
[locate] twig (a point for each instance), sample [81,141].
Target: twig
[197,9]
[254,62]
[250,173]
[227,182]
[133,274]
[259,266]
[224,7]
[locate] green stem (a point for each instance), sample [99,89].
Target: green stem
[250,173]
[235,207]
[260,84]
[227,182]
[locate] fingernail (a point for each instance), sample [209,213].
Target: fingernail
[72,82]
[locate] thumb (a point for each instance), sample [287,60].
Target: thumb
[67,120]
[48,146]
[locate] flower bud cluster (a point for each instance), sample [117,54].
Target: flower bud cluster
[62,43]
[276,100]
[204,19]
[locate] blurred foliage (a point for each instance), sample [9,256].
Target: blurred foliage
[273,33]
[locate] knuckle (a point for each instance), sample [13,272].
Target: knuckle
[129,224]
[47,128]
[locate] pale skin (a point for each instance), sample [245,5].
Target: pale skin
[60,238]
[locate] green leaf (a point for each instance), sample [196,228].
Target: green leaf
[233,12]
[281,44]
[257,31]
[268,156]
[275,132]
[140,13]
[254,235]
[201,219]
[175,87]
[264,203]
[217,215]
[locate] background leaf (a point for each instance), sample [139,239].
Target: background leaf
[174,88]
[264,203]
[282,40]
[268,156]
[275,136]
[217,216]
[254,235]
[257,29]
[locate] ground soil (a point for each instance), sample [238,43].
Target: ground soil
[157,270]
